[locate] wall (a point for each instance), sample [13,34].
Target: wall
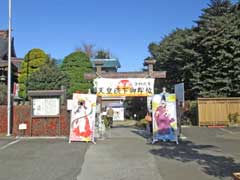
[3,119]
[47,126]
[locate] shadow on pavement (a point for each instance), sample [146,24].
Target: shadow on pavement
[141,132]
[211,163]
[123,126]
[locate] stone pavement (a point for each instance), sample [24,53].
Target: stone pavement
[123,155]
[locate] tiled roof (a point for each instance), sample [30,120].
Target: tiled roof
[40,93]
[3,47]
[107,63]
[4,53]
[3,63]
[17,62]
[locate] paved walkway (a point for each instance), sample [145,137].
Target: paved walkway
[124,155]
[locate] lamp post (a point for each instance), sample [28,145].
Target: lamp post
[9,67]
[2,79]
[2,76]
[2,84]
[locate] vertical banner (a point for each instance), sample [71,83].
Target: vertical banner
[83,117]
[164,117]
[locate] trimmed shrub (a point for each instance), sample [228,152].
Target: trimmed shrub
[190,114]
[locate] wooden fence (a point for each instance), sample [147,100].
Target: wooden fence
[216,111]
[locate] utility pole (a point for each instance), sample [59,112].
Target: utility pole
[9,66]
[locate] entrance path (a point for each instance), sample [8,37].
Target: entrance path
[123,155]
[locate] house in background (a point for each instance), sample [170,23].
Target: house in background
[16,62]
[108,65]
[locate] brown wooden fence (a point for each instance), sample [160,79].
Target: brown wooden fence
[215,111]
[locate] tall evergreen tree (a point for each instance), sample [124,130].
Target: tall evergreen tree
[172,54]
[206,57]
[47,77]
[216,47]
[74,66]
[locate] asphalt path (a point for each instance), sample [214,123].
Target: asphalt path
[124,154]
[5,142]
[40,159]
[204,154]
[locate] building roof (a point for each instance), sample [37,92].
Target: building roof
[107,63]
[3,63]
[45,93]
[4,45]
[17,62]
[4,52]
[3,48]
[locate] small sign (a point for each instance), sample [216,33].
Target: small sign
[22,126]
[69,104]
[179,91]
[104,113]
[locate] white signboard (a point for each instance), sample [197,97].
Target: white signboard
[179,91]
[69,104]
[124,87]
[46,106]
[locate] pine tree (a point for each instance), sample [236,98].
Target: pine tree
[216,47]
[172,54]
[74,66]
[47,77]
[206,57]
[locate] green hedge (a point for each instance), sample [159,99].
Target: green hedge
[190,113]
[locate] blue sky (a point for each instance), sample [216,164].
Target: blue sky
[124,27]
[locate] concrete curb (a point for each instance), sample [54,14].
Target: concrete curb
[186,126]
[42,137]
[7,137]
